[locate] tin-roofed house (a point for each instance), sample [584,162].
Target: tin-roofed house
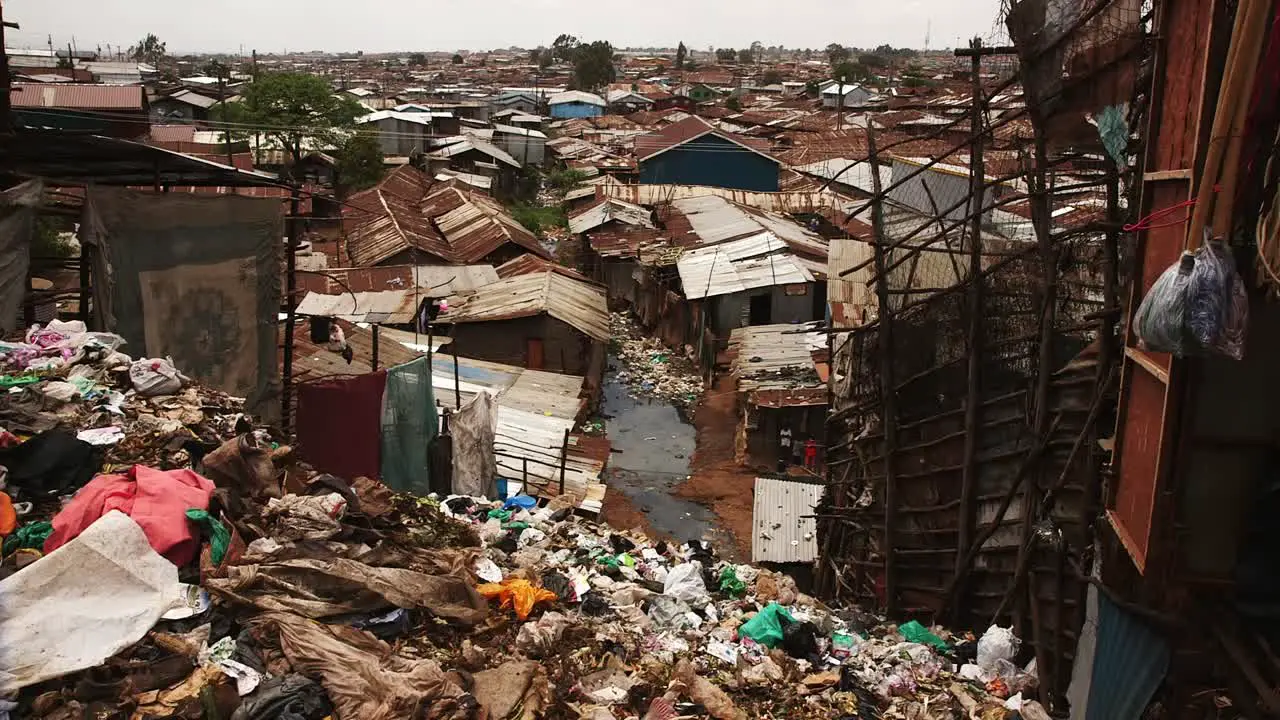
[575,104]
[781,373]
[694,152]
[120,111]
[544,320]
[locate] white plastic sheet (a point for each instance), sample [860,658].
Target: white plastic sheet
[83,603]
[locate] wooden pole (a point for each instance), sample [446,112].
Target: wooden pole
[977,185]
[888,404]
[291,311]
[373,362]
[457,383]
[6,102]
[564,459]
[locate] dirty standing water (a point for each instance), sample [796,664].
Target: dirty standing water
[652,449]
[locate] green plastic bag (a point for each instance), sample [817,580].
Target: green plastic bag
[730,584]
[766,627]
[917,633]
[219,536]
[31,535]
[515,525]
[503,515]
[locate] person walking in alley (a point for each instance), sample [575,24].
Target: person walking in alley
[784,448]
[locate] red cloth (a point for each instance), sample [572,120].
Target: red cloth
[340,424]
[157,500]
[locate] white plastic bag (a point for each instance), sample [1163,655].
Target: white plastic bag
[684,582]
[155,376]
[997,644]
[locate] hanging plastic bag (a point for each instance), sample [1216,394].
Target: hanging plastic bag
[1160,320]
[1217,305]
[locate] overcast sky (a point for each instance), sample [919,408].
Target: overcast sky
[406,25]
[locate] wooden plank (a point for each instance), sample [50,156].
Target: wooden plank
[1161,175]
[1147,363]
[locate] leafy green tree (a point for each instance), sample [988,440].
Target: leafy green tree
[457,59]
[733,103]
[564,47]
[593,65]
[726,54]
[873,60]
[418,60]
[744,56]
[359,163]
[681,54]
[149,50]
[294,107]
[836,54]
[535,55]
[771,77]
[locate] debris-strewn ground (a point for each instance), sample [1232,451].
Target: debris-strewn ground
[650,368]
[228,580]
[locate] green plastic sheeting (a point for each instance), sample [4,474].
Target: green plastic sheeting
[219,536]
[730,584]
[917,633]
[766,627]
[409,423]
[31,535]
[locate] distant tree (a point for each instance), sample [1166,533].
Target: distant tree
[593,65]
[744,56]
[535,55]
[360,165]
[564,47]
[811,88]
[216,69]
[836,54]
[726,54]
[149,50]
[807,54]
[885,49]
[916,82]
[418,60]
[293,108]
[771,77]
[847,72]
[681,54]
[733,103]
[457,59]
[757,51]
[873,60]
[690,65]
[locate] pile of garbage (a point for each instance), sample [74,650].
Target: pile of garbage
[650,368]
[193,569]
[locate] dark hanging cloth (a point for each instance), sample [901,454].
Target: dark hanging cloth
[340,424]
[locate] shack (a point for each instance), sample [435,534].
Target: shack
[540,321]
[781,373]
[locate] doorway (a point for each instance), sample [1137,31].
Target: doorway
[760,311]
[533,355]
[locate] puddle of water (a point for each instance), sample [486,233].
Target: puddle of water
[656,445]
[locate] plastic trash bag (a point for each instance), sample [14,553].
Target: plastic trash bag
[767,626]
[997,644]
[915,632]
[685,583]
[518,594]
[155,376]
[1217,305]
[1160,320]
[730,584]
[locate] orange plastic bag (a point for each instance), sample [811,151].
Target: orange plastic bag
[519,594]
[8,517]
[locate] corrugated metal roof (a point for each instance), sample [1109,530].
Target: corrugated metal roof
[73,96]
[576,96]
[475,143]
[777,357]
[607,210]
[689,130]
[780,531]
[531,264]
[757,261]
[579,304]
[394,307]
[455,226]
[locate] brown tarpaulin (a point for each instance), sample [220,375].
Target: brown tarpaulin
[364,678]
[324,588]
[473,429]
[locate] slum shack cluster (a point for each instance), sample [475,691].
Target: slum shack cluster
[166,558]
